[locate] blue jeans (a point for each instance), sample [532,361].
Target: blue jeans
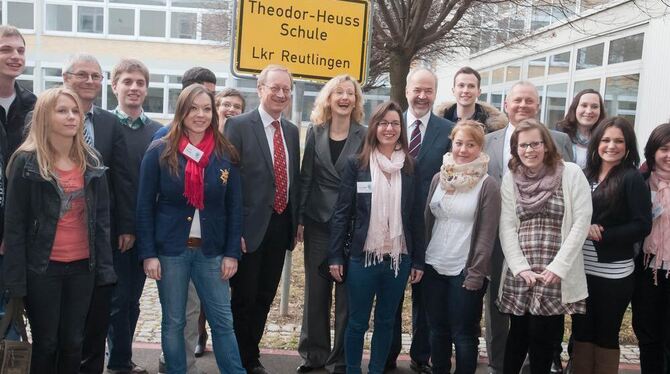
[454,314]
[214,293]
[363,285]
[125,308]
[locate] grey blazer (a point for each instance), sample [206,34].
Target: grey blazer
[247,134]
[495,144]
[319,178]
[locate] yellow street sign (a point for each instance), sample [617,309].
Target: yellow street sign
[315,39]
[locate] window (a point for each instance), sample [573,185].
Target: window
[593,84]
[173,95]
[541,17]
[556,100]
[215,26]
[153,103]
[90,19]
[59,17]
[486,77]
[140,2]
[590,57]
[193,3]
[513,73]
[20,14]
[496,100]
[559,63]
[121,21]
[112,102]
[626,49]
[498,75]
[152,23]
[307,105]
[536,67]
[183,25]
[621,95]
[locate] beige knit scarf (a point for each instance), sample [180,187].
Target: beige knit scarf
[462,177]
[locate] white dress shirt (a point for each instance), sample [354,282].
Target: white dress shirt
[410,124]
[270,134]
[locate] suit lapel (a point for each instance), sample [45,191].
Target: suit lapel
[432,132]
[291,146]
[323,147]
[405,191]
[258,130]
[351,146]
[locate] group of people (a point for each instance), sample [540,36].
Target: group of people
[478,211]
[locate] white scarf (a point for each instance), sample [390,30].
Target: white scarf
[385,233]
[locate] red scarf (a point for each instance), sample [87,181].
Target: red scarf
[194,173]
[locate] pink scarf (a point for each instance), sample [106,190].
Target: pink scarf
[194,173]
[657,244]
[385,233]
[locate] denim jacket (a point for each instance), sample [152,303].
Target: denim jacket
[31,217]
[164,216]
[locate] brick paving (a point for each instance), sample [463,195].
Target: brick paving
[149,326]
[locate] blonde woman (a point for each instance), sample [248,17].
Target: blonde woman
[57,230]
[335,135]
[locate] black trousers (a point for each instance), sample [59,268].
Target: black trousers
[534,336]
[57,303]
[95,332]
[605,307]
[651,308]
[255,285]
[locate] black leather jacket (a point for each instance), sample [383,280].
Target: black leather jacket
[31,217]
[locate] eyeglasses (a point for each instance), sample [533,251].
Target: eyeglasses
[231,105]
[532,145]
[275,90]
[82,76]
[392,123]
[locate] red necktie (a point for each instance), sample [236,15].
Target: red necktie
[281,177]
[415,140]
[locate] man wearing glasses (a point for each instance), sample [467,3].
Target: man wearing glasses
[102,130]
[522,102]
[269,163]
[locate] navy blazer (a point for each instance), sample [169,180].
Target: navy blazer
[164,216]
[339,223]
[434,145]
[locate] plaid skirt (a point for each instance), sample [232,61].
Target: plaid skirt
[540,240]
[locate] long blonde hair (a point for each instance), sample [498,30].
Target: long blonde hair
[321,113]
[37,141]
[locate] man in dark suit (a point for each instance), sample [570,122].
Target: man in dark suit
[522,102]
[428,142]
[83,75]
[270,166]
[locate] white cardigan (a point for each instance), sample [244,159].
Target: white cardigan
[569,261]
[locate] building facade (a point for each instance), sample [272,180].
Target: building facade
[620,48]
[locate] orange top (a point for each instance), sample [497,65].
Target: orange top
[71,241]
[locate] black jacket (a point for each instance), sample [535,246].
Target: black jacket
[412,222]
[626,221]
[32,213]
[12,131]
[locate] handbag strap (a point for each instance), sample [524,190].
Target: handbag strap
[14,313]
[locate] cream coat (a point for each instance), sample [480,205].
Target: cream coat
[569,262]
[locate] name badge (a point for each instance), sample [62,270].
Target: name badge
[193,152]
[364,187]
[656,211]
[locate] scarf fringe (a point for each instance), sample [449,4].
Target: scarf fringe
[375,258]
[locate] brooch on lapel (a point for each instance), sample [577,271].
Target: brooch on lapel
[224,176]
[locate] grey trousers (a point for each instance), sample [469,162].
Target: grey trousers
[497,324]
[314,345]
